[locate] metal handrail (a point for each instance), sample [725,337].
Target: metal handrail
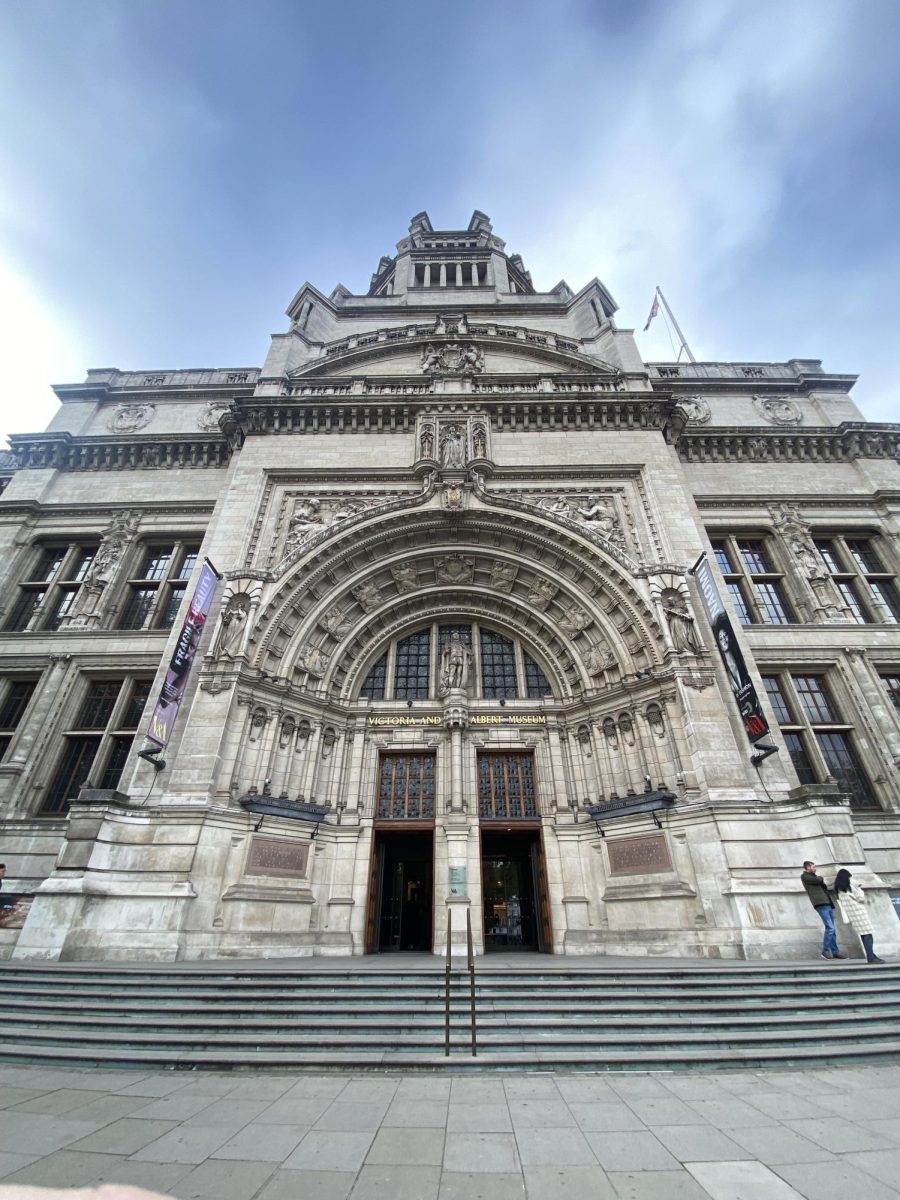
[448,967]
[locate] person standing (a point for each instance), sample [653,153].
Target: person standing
[821,900]
[851,900]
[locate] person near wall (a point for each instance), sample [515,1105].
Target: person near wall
[851,901]
[821,900]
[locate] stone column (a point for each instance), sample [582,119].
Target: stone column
[443,274]
[459,278]
[427,279]
[877,704]
[356,746]
[456,718]
[561,786]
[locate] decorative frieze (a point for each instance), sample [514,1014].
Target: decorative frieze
[62,452]
[844,443]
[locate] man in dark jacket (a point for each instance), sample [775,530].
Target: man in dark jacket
[821,900]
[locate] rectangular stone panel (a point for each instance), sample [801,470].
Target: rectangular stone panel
[638,855]
[277,856]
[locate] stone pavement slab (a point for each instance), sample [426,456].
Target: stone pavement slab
[262,1143]
[836,1180]
[224,1180]
[631,1152]
[699,1143]
[308,1185]
[397,1182]
[462,1185]
[568,1183]
[741,1180]
[657,1185]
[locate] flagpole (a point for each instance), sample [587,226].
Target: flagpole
[684,344]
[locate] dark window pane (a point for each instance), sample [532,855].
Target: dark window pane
[740,604]
[16,701]
[498,666]
[47,565]
[848,593]
[445,632]
[842,764]
[892,685]
[373,688]
[188,562]
[65,598]
[23,610]
[777,700]
[754,556]
[864,556]
[172,605]
[72,772]
[799,758]
[411,677]
[5,740]
[813,698]
[829,554]
[884,597]
[136,609]
[97,706]
[81,564]
[140,693]
[156,560]
[114,767]
[772,602]
[535,680]
[721,552]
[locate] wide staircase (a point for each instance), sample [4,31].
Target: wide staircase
[528,1017]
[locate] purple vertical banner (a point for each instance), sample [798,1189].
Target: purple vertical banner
[163,720]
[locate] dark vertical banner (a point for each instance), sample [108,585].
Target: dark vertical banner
[745,694]
[163,720]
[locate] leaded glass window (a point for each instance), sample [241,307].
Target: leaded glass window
[406,787]
[498,666]
[373,687]
[536,684]
[411,674]
[506,788]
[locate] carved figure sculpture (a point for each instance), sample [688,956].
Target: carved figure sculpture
[431,360]
[599,658]
[454,569]
[305,521]
[574,620]
[455,660]
[696,410]
[231,627]
[405,576]
[452,447]
[681,624]
[479,441]
[502,575]
[368,595]
[212,413]
[312,660]
[126,418]
[336,620]
[778,409]
[426,441]
[602,516]
[347,509]
[541,593]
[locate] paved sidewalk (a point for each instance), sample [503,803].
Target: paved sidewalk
[823,1135]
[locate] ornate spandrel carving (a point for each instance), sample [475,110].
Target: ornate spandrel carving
[305,522]
[778,410]
[452,358]
[229,640]
[127,418]
[456,660]
[405,577]
[574,620]
[541,593]
[454,569]
[368,595]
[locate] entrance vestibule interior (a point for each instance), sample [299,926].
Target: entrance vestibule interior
[514,890]
[402,891]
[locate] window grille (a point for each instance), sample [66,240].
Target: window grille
[506,788]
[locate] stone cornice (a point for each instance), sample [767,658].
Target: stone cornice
[201,382]
[129,452]
[841,443]
[800,375]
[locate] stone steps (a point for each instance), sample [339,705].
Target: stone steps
[622,1018]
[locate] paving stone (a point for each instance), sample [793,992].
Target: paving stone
[185,1144]
[696,1087]
[547,1111]
[350,1116]
[423,1148]
[293,1111]
[53,1104]
[370,1091]
[658,1185]
[417,1114]
[883,1164]
[262,1143]
[11,1096]
[481,1152]
[177,1107]
[308,1185]
[24,1133]
[521,1087]
[154,1177]
[839,1136]
[397,1182]
[328,1087]
[740,1181]
[644,1087]
[123,1137]
[225,1180]
[463,1185]
[887,1127]
[108,1108]
[567,1183]
[479,1118]
[15,1162]
[551,1147]
[477,1091]
[62,1169]
[669,1111]
[207,1084]
[229,1113]
[609,1118]
[783,1106]
[423,1087]
[630,1152]
[155,1085]
[578,1090]
[774,1144]
[262,1087]
[331,1150]
[699,1143]
[835,1180]
[728,1114]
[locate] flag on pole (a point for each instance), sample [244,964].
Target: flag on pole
[653,311]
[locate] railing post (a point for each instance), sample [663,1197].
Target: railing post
[471,977]
[447,983]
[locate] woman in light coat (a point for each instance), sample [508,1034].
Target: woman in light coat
[851,900]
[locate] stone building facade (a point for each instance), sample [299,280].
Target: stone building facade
[457,661]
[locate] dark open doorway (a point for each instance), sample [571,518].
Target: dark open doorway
[514,891]
[401,891]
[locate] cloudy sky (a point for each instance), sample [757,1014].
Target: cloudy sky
[171,171]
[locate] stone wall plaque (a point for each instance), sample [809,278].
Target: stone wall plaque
[277,856]
[457,880]
[639,855]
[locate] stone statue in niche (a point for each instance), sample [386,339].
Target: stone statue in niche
[453,450]
[230,636]
[599,659]
[685,638]
[426,441]
[502,575]
[479,440]
[574,620]
[455,660]
[312,660]
[126,418]
[541,593]
[454,568]
[405,576]
[368,595]
[302,740]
